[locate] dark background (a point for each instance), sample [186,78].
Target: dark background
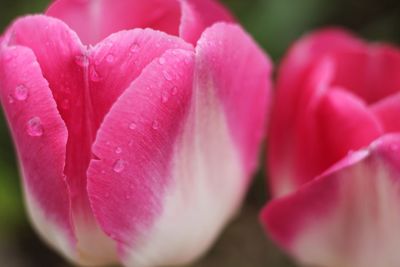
[274,24]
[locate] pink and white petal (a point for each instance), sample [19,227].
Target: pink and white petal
[120,59]
[94,20]
[224,54]
[348,216]
[345,124]
[40,137]
[62,60]
[388,110]
[301,61]
[135,187]
[193,181]
[197,15]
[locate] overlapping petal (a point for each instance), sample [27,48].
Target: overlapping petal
[95,20]
[346,217]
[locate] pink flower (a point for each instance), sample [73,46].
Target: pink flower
[140,145]
[334,153]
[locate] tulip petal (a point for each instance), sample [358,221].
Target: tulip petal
[134,147]
[94,20]
[172,164]
[224,53]
[345,124]
[388,110]
[347,217]
[197,15]
[303,59]
[371,73]
[40,137]
[60,56]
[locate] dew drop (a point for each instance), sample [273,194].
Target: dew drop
[21,92]
[118,150]
[127,196]
[156,125]
[65,104]
[164,97]
[135,48]
[81,60]
[11,99]
[8,57]
[187,60]
[131,143]
[34,127]
[110,58]
[161,60]
[94,75]
[119,166]
[174,90]
[394,147]
[167,76]
[133,126]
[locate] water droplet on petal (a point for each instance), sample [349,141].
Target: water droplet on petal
[174,90]
[135,48]
[118,150]
[119,166]
[127,197]
[21,92]
[133,126]
[161,60]
[131,143]
[94,75]
[8,57]
[34,127]
[164,96]
[81,60]
[167,76]
[156,125]
[11,99]
[394,147]
[65,104]
[110,58]
[187,60]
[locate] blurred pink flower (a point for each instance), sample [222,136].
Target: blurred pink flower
[334,153]
[139,146]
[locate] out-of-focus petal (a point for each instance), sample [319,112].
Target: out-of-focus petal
[345,124]
[348,216]
[40,137]
[372,73]
[189,181]
[388,110]
[302,61]
[197,15]
[94,20]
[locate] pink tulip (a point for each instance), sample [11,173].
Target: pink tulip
[138,147]
[334,153]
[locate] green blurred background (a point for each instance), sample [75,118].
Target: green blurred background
[274,24]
